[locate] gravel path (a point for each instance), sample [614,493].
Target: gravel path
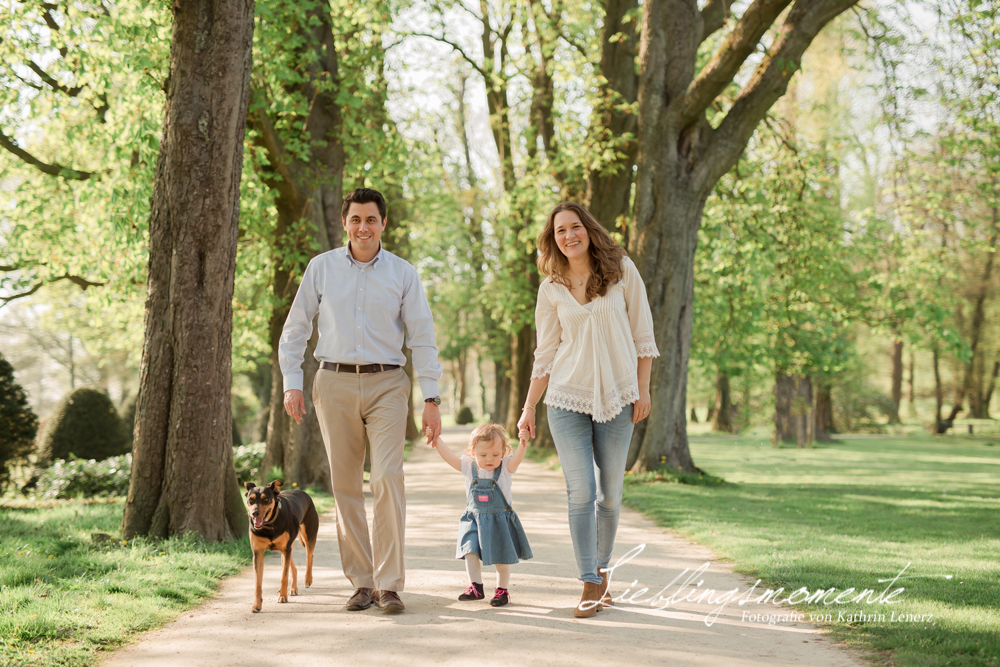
[537,628]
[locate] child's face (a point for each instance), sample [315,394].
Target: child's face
[489,453]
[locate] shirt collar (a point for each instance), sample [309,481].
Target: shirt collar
[374,262]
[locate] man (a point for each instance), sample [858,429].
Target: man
[367,298]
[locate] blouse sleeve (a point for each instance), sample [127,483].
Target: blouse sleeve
[640,318]
[548,334]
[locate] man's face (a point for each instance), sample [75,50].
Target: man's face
[364,227]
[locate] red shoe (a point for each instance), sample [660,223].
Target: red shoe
[500,597]
[473,592]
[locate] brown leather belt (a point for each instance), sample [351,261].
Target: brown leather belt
[350,368]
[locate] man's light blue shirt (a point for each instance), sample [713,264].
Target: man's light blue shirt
[364,312]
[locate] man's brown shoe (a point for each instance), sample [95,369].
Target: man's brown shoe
[362,599]
[389,602]
[590,601]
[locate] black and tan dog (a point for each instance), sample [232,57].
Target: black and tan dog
[276,519]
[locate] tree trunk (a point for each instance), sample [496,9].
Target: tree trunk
[310,189]
[694,415]
[524,355]
[977,389]
[723,405]
[897,380]
[912,411]
[990,387]
[824,411]
[792,408]
[609,187]
[501,383]
[664,254]
[681,157]
[183,479]
[939,425]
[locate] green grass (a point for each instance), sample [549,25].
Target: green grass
[849,513]
[65,598]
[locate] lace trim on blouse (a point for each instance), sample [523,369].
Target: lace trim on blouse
[610,406]
[646,347]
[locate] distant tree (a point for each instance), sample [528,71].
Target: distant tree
[18,424]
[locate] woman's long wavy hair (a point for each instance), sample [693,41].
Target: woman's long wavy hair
[605,255]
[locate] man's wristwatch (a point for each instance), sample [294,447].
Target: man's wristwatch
[436,400]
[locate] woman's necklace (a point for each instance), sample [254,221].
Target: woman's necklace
[578,281]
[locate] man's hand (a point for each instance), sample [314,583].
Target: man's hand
[295,404]
[431,421]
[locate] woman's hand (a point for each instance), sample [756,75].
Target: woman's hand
[640,409]
[526,424]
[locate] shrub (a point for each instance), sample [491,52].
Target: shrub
[18,424]
[248,460]
[88,478]
[464,416]
[85,425]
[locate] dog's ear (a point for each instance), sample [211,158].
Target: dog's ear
[250,487]
[275,486]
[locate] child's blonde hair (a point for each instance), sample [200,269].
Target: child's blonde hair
[488,432]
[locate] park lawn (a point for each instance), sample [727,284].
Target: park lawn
[65,598]
[846,514]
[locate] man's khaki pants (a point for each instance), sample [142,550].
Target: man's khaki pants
[348,407]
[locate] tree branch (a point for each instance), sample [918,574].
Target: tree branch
[476,66]
[52,169]
[51,82]
[713,17]
[80,282]
[726,62]
[768,83]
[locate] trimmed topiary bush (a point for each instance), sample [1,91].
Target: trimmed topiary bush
[464,416]
[85,425]
[18,424]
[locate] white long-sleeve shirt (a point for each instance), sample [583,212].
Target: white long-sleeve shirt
[364,312]
[591,353]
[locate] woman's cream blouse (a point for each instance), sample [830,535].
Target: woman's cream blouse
[591,356]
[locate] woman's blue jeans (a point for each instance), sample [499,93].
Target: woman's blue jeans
[593,457]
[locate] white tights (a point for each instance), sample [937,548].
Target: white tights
[474,567]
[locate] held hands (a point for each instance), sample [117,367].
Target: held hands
[640,409]
[431,422]
[295,404]
[526,424]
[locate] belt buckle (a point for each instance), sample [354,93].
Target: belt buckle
[357,369]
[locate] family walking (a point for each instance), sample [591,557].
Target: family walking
[594,353]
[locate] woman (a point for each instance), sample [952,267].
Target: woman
[594,354]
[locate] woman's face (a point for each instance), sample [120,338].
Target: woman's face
[489,454]
[571,236]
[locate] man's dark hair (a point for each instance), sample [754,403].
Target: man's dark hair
[364,196]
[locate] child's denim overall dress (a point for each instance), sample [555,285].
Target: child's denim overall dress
[489,527]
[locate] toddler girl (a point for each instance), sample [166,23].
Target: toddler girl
[489,531]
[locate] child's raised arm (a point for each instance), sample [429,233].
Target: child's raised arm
[518,456]
[448,456]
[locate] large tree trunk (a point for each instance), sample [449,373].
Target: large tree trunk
[183,479]
[723,422]
[664,254]
[501,384]
[681,158]
[897,380]
[609,187]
